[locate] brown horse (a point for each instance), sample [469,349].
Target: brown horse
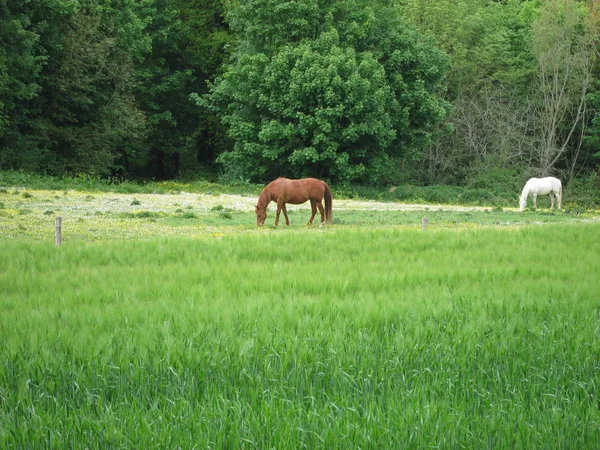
[283,190]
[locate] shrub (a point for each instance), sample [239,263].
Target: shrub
[496,179]
[477,196]
[440,194]
[583,191]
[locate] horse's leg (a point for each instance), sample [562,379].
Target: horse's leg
[277,214]
[534,197]
[313,210]
[322,211]
[284,209]
[551,200]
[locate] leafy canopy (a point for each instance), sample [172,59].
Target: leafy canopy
[325,90]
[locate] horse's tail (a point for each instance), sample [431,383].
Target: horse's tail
[328,204]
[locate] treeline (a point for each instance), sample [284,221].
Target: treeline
[376,92]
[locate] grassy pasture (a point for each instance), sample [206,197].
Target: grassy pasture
[171,321]
[94,215]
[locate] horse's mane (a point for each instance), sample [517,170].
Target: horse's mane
[525,191]
[265,196]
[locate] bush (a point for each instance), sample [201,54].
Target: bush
[497,180]
[478,197]
[440,194]
[583,191]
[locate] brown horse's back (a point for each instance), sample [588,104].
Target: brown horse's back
[298,191]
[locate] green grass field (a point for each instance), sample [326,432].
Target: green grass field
[342,337]
[169,320]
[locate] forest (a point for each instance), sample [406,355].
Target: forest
[378,92]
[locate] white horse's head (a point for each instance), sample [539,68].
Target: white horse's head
[523,198]
[522,202]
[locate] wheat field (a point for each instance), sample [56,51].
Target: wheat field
[341,337]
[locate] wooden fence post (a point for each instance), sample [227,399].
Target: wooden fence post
[58,231]
[424,223]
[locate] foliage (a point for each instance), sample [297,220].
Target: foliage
[379,93]
[592,139]
[102,87]
[79,109]
[492,69]
[19,64]
[511,110]
[508,180]
[487,41]
[583,192]
[187,40]
[349,87]
[565,43]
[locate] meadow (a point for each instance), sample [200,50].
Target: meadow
[90,215]
[171,321]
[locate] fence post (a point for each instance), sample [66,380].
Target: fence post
[424,223]
[58,231]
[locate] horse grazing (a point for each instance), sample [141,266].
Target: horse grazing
[541,186]
[283,190]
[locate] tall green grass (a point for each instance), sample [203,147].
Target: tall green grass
[304,339]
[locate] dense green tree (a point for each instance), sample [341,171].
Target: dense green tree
[77,111]
[187,40]
[20,65]
[89,112]
[336,89]
[592,135]
[102,86]
[592,139]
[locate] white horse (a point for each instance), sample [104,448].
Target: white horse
[541,186]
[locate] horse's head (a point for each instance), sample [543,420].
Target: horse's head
[261,215]
[522,202]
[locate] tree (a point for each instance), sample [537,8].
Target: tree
[592,138]
[327,90]
[489,84]
[78,110]
[565,44]
[20,66]
[187,41]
